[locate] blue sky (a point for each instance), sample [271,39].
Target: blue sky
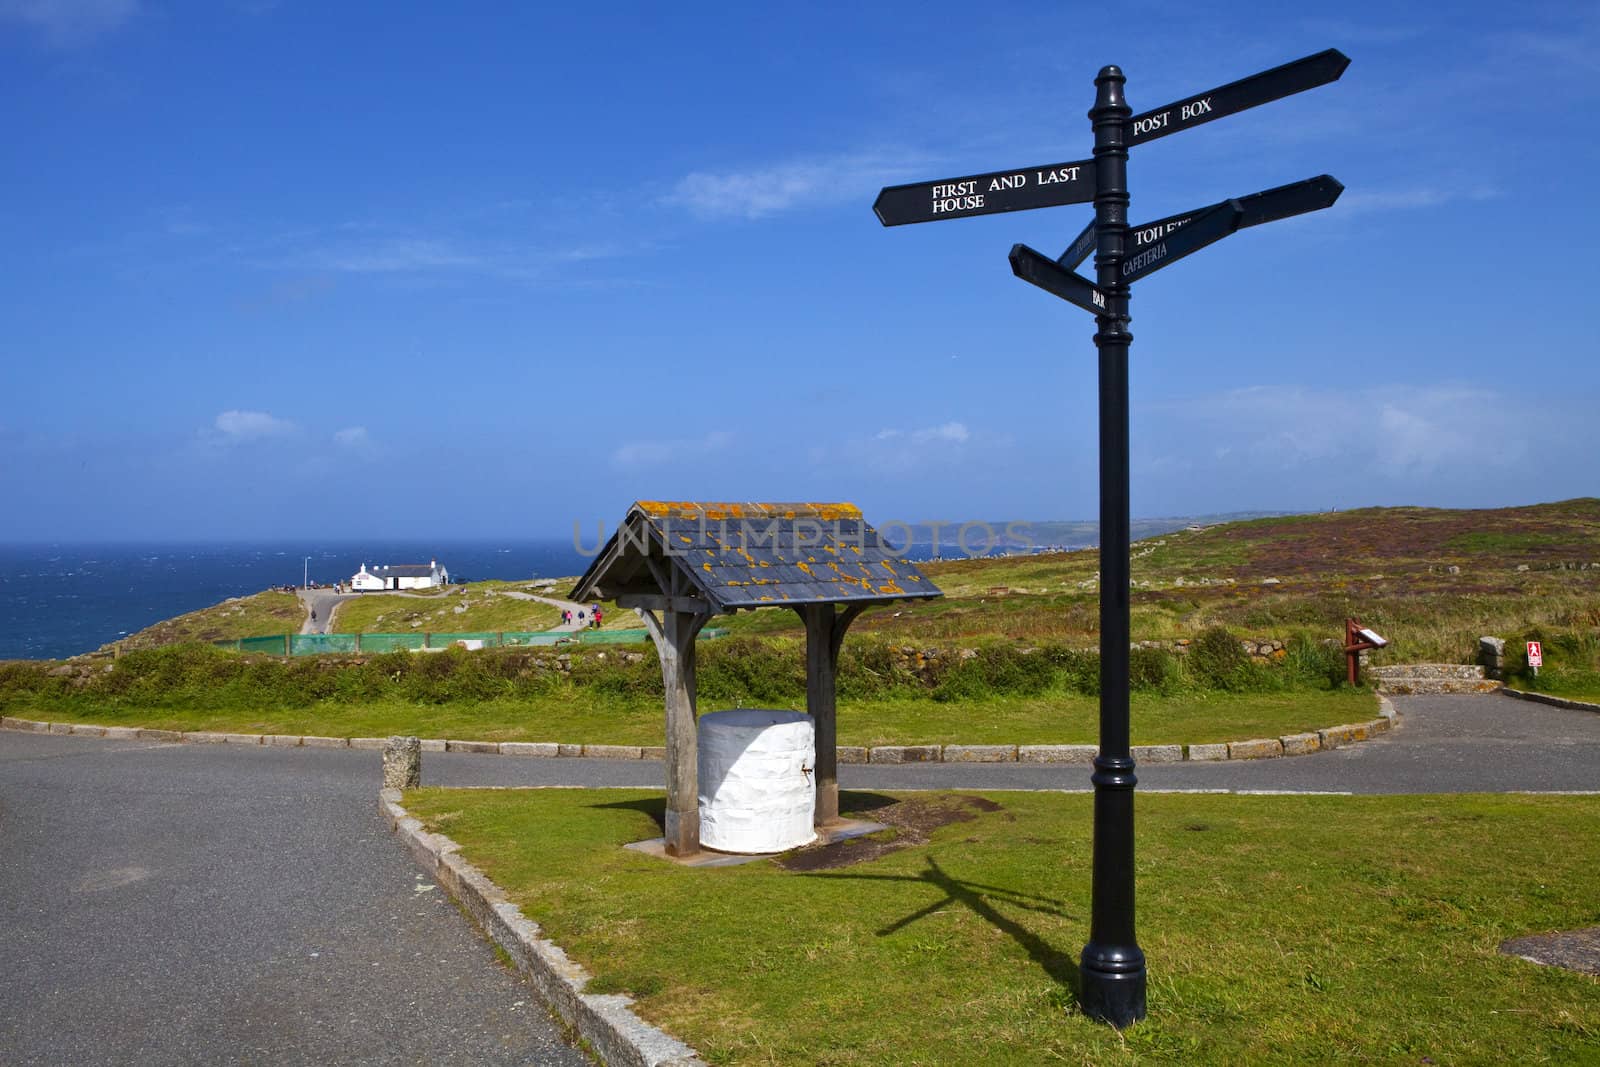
[395,270]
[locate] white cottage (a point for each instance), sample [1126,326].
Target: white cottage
[400,576]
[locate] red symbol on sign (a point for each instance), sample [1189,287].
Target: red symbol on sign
[1535,654]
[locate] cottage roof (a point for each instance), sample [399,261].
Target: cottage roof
[749,555]
[404,570]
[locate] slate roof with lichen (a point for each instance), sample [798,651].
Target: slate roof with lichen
[749,555]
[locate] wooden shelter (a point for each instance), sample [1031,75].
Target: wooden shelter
[680,563]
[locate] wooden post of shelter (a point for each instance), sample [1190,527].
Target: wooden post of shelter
[674,632]
[825,629]
[678,564]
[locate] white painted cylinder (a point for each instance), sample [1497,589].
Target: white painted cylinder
[758,792]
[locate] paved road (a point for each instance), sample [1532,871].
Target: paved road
[221,903]
[189,904]
[322,603]
[557,603]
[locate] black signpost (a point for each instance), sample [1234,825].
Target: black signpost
[1112,967]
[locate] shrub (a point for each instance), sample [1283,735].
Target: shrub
[1078,668]
[751,670]
[1155,669]
[1317,663]
[1217,660]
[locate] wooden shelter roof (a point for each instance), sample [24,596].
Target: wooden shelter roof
[749,555]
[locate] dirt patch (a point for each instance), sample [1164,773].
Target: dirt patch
[1576,950]
[910,822]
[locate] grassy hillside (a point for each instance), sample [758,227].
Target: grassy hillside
[247,616]
[1432,580]
[477,607]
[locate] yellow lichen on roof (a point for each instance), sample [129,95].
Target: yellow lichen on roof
[717,509]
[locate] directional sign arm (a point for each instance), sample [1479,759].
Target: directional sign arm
[1039,269]
[1206,228]
[1079,249]
[1269,205]
[1246,93]
[985,194]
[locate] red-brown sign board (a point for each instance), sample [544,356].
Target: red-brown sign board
[1535,654]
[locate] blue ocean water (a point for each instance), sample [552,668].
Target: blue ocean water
[62,600]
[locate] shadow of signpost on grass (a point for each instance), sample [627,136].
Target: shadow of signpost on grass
[977,896]
[910,820]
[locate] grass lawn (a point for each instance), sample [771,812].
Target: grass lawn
[1278,929]
[574,717]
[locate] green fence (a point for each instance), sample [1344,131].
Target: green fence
[321,644]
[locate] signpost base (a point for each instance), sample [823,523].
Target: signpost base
[1112,985]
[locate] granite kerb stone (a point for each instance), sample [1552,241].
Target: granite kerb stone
[903,754]
[980,753]
[529,748]
[1056,753]
[11,722]
[1301,744]
[1552,701]
[612,751]
[1257,748]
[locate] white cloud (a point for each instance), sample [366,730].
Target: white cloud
[636,454]
[239,427]
[1394,434]
[954,433]
[753,194]
[1410,199]
[69,22]
[352,437]
[393,256]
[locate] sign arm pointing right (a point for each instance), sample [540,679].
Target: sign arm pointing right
[1246,93]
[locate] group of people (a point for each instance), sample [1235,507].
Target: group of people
[589,619]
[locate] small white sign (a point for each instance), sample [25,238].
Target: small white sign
[1535,654]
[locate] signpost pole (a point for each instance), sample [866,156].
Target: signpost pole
[1112,969]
